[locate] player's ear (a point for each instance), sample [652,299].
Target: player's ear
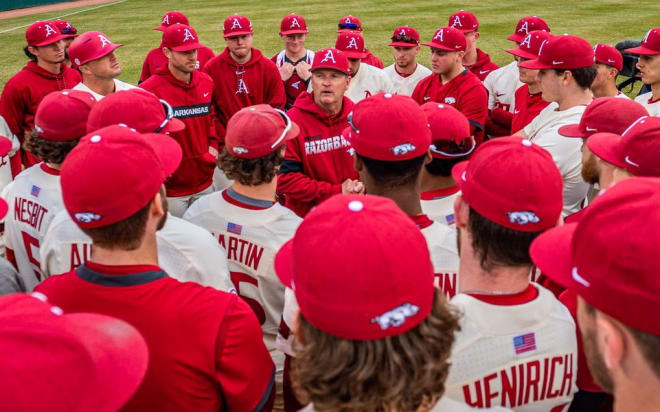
[461,212]
[476,35]
[611,340]
[428,158]
[158,208]
[357,163]
[167,52]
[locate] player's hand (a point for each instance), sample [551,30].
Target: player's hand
[348,186]
[358,188]
[286,71]
[303,71]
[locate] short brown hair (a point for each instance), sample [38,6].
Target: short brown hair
[584,76]
[124,235]
[48,150]
[250,172]
[403,372]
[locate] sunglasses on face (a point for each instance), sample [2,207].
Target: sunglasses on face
[404,38]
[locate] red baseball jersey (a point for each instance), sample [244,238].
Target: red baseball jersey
[318,161]
[156,60]
[483,66]
[372,59]
[23,93]
[192,105]
[205,346]
[295,84]
[240,85]
[527,107]
[464,92]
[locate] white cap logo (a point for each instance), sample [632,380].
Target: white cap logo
[240,150]
[439,35]
[524,27]
[166,19]
[49,30]
[104,41]
[646,38]
[402,149]
[236,25]
[457,22]
[328,56]
[541,47]
[402,33]
[347,21]
[523,217]
[527,41]
[187,35]
[396,317]
[352,44]
[86,217]
[294,23]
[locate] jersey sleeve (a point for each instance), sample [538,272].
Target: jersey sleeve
[418,93]
[146,72]
[212,266]
[474,105]
[275,93]
[12,108]
[244,368]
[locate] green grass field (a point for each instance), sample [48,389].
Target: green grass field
[131,23]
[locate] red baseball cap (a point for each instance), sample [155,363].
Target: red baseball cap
[116,158]
[527,25]
[388,127]
[90,46]
[611,256]
[293,24]
[257,131]
[563,52]
[464,21]
[605,114]
[347,269]
[512,182]
[136,108]
[650,44]
[66,28]
[529,46]
[43,33]
[62,115]
[331,59]
[236,25]
[72,361]
[448,38]
[170,18]
[405,36]
[447,125]
[180,37]
[637,150]
[352,44]
[606,54]
[349,23]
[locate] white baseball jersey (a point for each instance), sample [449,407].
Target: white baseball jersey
[34,198]
[119,86]
[521,355]
[502,84]
[251,231]
[5,167]
[622,96]
[438,205]
[565,151]
[652,106]
[406,85]
[186,252]
[441,240]
[369,80]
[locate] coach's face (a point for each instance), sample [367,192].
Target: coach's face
[649,67]
[239,46]
[588,328]
[443,61]
[329,86]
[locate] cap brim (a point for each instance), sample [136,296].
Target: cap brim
[237,33]
[283,263]
[402,44]
[535,64]
[571,130]
[349,30]
[174,125]
[98,56]
[323,66]
[642,50]
[284,33]
[440,46]
[458,173]
[187,47]
[161,28]
[293,133]
[516,37]
[605,146]
[5,146]
[466,30]
[167,149]
[521,53]
[51,40]
[551,252]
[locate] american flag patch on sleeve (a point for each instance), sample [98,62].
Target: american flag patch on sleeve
[524,343]
[450,219]
[35,191]
[234,228]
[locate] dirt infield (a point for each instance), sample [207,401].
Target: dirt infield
[50,7]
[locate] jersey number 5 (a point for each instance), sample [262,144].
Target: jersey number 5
[239,277]
[29,242]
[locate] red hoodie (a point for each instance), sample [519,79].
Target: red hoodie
[318,161]
[483,66]
[372,59]
[192,105]
[23,93]
[156,60]
[240,85]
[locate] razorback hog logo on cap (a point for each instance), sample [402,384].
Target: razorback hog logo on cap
[104,41]
[240,150]
[294,23]
[523,217]
[396,317]
[86,217]
[328,56]
[450,100]
[187,35]
[402,149]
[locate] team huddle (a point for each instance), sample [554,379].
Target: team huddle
[315,231]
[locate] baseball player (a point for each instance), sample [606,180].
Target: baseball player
[566,65]
[502,83]
[405,72]
[35,196]
[93,54]
[217,337]
[528,99]
[451,83]
[523,337]
[294,61]
[609,259]
[242,75]
[366,80]
[350,23]
[45,72]
[363,307]
[391,139]
[474,58]
[450,143]
[245,218]
[10,281]
[156,59]
[609,62]
[649,67]
[185,250]
[189,91]
[318,163]
[68,29]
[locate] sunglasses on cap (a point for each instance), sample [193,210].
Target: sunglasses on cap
[404,38]
[349,119]
[68,30]
[351,26]
[169,114]
[450,149]
[287,128]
